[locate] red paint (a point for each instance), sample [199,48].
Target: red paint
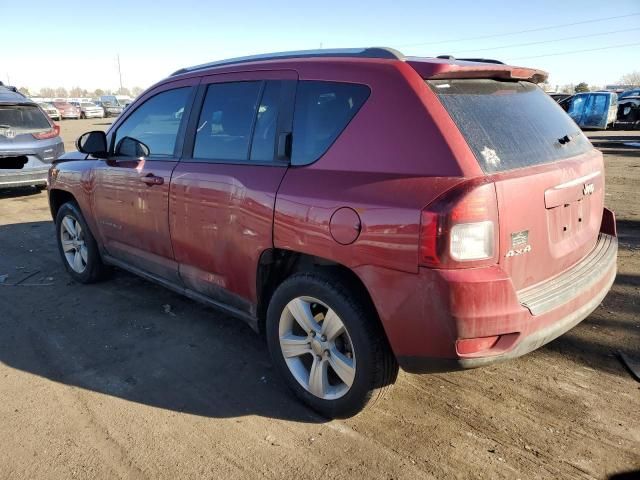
[364,205]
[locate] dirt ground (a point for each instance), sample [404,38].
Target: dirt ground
[125,379]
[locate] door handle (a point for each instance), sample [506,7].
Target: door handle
[150,179]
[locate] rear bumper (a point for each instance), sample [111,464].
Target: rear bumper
[426,332]
[25,177]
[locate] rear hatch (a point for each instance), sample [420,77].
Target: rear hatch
[22,129]
[549,179]
[19,120]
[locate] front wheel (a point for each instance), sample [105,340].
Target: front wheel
[328,345]
[77,246]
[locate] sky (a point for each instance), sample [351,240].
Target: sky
[75,43]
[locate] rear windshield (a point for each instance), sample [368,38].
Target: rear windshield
[510,125]
[23,117]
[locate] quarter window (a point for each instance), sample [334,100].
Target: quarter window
[322,112]
[153,125]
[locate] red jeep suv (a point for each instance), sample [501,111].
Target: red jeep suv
[363,209]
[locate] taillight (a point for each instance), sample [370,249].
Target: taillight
[460,229]
[53,132]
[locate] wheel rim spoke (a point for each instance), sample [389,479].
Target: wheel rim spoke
[67,246]
[69,226]
[318,380]
[84,254]
[294,346]
[343,366]
[77,262]
[301,311]
[332,326]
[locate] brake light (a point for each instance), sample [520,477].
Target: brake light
[52,133]
[460,229]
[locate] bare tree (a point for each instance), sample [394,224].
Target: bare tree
[76,92]
[24,91]
[632,78]
[61,92]
[123,91]
[135,91]
[47,92]
[98,92]
[568,88]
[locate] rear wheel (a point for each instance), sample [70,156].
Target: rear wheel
[77,246]
[328,345]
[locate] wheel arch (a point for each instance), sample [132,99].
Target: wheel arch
[57,198]
[276,265]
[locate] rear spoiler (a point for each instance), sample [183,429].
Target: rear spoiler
[445,69]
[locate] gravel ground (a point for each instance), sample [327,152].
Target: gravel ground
[125,379]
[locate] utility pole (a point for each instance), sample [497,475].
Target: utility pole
[119,72]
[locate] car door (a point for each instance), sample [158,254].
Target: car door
[131,193]
[223,190]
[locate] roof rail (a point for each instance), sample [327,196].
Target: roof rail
[479,60]
[373,52]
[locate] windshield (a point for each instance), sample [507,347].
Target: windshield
[110,101]
[510,125]
[23,118]
[86,104]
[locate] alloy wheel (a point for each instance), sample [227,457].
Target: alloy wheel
[317,348]
[73,243]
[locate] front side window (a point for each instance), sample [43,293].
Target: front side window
[226,121]
[153,127]
[322,112]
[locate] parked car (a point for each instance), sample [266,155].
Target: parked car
[362,209]
[89,110]
[112,107]
[67,110]
[29,141]
[592,110]
[634,92]
[50,110]
[628,113]
[558,97]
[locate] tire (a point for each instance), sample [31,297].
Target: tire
[361,352]
[90,268]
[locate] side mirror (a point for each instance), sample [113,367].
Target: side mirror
[130,147]
[93,143]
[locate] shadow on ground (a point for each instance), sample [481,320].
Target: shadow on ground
[131,339]
[18,192]
[140,342]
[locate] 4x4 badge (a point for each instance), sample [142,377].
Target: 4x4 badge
[588,189]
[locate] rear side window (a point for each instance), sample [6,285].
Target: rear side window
[510,125]
[23,118]
[322,111]
[264,135]
[226,121]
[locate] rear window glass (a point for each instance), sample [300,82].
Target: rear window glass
[23,117]
[510,125]
[226,120]
[322,111]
